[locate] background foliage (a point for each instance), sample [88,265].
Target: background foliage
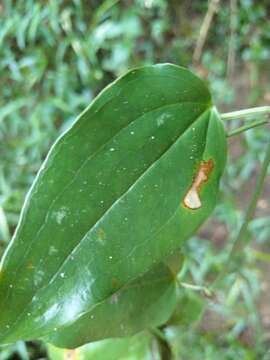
[55,56]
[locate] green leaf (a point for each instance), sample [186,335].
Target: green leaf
[138,347]
[146,302]
[189,308]
[132,179]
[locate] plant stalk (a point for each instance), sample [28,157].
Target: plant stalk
[203,289]
[246,127]
[241,237]
[261,110]
[239,240]
[164,346]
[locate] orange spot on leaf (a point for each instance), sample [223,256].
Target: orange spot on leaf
[70,354]
[101,234]
[192,198]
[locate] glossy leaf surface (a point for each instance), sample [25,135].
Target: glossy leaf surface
[133,178]
[146,302]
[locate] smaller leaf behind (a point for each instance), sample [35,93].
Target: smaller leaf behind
[145,302]
[130,348]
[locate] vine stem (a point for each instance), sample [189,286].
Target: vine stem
[248,126]
[261,110]
[241,237]
[203,289]
[239,240]
[212,9]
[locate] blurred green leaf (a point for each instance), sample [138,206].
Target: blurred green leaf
[138,347]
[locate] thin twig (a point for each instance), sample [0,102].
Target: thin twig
[158,333]
[212,9]
[241,237]
[240,240]
[261,110]
[203,289]
[248,126]
[232,41]
[164,345]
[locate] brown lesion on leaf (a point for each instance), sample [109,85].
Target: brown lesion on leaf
[192,198]
[70,354]
[101,234]
[30,265]
[115,283]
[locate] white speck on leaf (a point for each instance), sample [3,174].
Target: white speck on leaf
[114,299]
[61,214]
[38,277]
[52,250]
[161,119]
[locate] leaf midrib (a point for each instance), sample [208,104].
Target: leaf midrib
[89,158]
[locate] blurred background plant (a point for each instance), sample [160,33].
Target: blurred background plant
[56,55]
